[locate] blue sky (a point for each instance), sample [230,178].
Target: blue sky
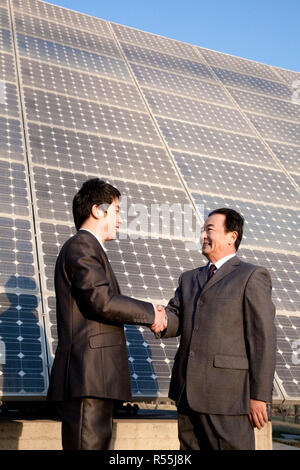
[267,31]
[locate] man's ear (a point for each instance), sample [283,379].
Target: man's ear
[233,237]
[100,211]
[96,211]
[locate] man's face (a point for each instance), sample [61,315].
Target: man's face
[216,243]
[112,220]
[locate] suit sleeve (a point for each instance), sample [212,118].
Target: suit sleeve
[90,285]
[260,332]
[174,314]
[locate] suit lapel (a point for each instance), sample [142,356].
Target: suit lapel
[226,269]
[112,274]
[202,276]
[107,265]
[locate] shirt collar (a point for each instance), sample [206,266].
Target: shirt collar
[102,246]
[222,261]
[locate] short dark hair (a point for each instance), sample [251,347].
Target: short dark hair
[93,191]
[233,222]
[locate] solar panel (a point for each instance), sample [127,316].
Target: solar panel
[158,43]
[63,16]
[63,34]
[289,155]
[238,64]
[246,181]
[80,84]
[266,105]
[179,84]
[168,123]
[252,83]
[157,59]
[276,129]
[23,363]
[65,55]
[185,109]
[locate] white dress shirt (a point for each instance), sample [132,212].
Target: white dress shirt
[94,236]
[221,261]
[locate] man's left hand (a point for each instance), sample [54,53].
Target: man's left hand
[258,413]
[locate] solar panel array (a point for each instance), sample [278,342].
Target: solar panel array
[167,123]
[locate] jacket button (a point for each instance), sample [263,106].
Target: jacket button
[192,354]
[196,328]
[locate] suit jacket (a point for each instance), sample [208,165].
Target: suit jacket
[91,356]
[228,340]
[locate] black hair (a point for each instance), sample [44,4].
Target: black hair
[234,222]
[93,191]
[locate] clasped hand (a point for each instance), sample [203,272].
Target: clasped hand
[160,322]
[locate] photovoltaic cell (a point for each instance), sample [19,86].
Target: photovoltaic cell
[11,139]
[155,42]
[288,76]
[276,129]
[4,18]
[17,269]
[14,198]
[214,143]
[238,64]
[182,85]
[248,182]
[149,362]
[165,61]
[77,151]
[62,148]
[55,109]
[23,372]
[288,155]
[67,56]
[265,105]
[287,369]
[296,178]
[9,105]
[284,270]
[62,16]
[7,68]
[49,30]
[259,85]
[81,85]
[199,112]
[5,40]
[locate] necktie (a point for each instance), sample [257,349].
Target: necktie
[211,271]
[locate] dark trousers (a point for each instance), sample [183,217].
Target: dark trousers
[86,423]
[200,431]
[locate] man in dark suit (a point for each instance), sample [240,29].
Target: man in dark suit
[90,370]
[223,371]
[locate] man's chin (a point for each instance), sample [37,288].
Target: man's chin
[206,251]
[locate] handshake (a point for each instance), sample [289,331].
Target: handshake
[160,322]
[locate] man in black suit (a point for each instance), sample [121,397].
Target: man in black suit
[90,370]
[223,371]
